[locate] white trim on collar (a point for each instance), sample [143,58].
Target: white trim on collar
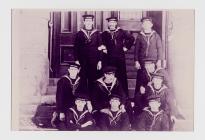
[86,34]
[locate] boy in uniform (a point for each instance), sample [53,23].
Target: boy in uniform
[105,87]
[67,87]
[114,118]
[117,42]
[153,118]
[86,52]
[78,118]
[148,45]
[168,101]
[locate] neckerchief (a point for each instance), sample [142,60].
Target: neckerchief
[76,116]
[153,115]
[104,85]
[74,85]
[88,35]
[147,39]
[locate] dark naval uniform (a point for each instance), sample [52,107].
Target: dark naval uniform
[143,78]
[114,121]
[65,97]
[75,119]
[114,42]
[148,46]
[152,121]
[101,95]
[87,53]
[102,92]
[66,90]
[167,99]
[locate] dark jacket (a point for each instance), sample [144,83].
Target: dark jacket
[143,77]
[150,121]
[86,46]
[118,121]
[101,94]
[115,41]
[148,47]
[74,119]
[66,90]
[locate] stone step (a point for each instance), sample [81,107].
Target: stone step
[28,109]
[26,124]
[48,99]
[53,82]
[129,56]
[131,92]
[25,120]
[51,89]
[51,98]
[131,83]
[131,68]
[184,125]
[130,62]
[131,75]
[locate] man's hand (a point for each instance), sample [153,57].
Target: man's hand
[102,48]
[87,124]
[142,90]
[62,117]
[105,51]
[173,118]
[77,62]
[137,65]
[125,49]
[99,65]
[122,107]
[159,64]
[132,104]
[89,106]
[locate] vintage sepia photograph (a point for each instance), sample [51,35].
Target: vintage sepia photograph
[102,70]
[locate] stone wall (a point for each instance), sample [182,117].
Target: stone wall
[30,65]
[181,58]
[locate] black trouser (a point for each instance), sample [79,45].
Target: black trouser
[89,72]
[97,117]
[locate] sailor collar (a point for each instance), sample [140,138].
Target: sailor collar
[76,116]
[108,112]
[113,31]
[158,91]
[86,34]
[76,81]
[151,113]
[103,83]
[142,33]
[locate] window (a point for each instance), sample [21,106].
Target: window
[130,15]
[66,21]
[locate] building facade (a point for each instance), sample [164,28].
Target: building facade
[42,44]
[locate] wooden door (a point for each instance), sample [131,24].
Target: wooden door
[64,30]
[67,23]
